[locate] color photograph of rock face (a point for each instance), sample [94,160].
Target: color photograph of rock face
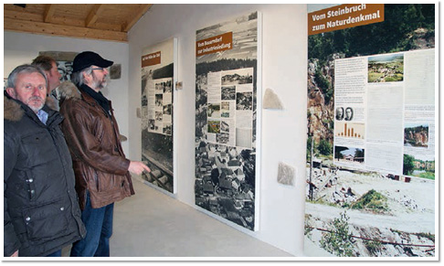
[417,136]
[371,188]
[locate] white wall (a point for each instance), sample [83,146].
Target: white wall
[22,48]
[281,217]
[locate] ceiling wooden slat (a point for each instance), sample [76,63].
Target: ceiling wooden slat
[63,30]
[92,21]
[135,17]
[49,13]
[93,15]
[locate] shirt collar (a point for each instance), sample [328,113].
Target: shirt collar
[43,116]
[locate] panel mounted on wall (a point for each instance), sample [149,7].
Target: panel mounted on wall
[227,119]
[158,80]
[371,132]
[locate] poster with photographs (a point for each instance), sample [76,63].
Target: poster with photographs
[158,72]
[230,107]
[160,113]
[227,82]
[371,115]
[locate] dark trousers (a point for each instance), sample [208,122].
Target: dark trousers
[99,228]
[58,253]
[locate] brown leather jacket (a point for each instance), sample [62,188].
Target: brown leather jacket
[92,135]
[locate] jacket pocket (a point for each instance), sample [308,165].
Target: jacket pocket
[109,182]
[46,222]
[96,181]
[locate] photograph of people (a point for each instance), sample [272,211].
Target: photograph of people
[348,114]
[339,113]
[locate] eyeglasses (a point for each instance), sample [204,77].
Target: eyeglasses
[98,68]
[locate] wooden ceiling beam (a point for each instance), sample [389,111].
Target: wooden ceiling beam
[135,17]
[93,15]
[19,15]
[63,30]
[49,13]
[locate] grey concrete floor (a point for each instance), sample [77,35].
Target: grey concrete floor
[153,224]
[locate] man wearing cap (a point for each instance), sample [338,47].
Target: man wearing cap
[101,168]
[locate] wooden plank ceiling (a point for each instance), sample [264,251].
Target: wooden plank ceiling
[91,21]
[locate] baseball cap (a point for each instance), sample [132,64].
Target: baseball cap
[87,59]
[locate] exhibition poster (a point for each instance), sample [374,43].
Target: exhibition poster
[157,92]
[226,113]
[371,114]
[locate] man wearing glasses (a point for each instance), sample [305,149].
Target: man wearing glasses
[102,171]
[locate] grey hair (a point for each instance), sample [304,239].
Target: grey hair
[77,77]
[12,78]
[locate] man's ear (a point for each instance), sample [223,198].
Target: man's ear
[86,77]
[11,92]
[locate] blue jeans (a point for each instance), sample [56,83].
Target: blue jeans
[99,228]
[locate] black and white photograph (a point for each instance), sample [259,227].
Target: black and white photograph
[160,87]
[167,87]
[159,116]
[244,101]
[339,113]
[65,69]
[348,114]
[225,182]
[224,126]
[167,129]
[238,77]
[228,93]
[152,125]
[159,100]
[223,137]
[167,109]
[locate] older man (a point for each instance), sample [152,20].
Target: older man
[41,213]
[102,170]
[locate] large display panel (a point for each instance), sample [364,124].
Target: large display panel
[227,84]
[372,131]
[158,83]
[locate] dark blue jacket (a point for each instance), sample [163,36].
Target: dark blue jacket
[42,213]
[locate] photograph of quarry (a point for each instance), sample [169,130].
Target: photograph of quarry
[361,211]
[388,68]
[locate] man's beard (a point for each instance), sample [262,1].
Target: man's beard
[99,84]
[31,103]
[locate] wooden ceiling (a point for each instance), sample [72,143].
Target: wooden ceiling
[91,21]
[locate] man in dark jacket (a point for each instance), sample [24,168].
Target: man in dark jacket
[101,168]
[41,208]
